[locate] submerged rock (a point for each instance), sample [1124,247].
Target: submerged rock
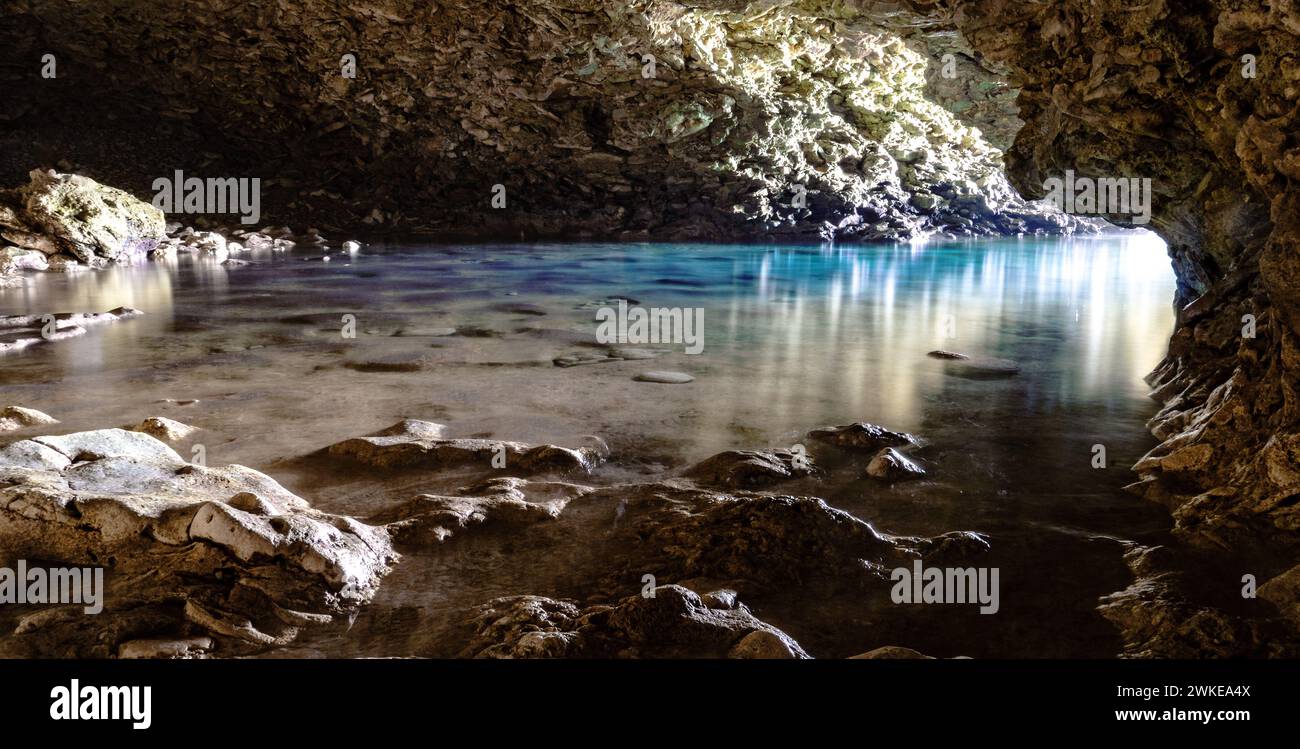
[169,534]
[749,469]
[976,367]
[666,378]
[892,466]
[430,518]
[418,444]
[18,332]
[861,436]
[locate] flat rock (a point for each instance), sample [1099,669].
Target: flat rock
[413,444]
[664,377]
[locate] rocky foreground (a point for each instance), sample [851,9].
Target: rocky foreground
[223,561]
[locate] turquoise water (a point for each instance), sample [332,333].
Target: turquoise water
[794,337]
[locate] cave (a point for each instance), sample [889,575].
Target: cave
[996,284]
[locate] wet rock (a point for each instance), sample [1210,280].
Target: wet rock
[892,466]
[171,536]
[683,533]
[430,518]
[193,647]
[13,418]
[425,332]
[1283,592]
[581,358]
[749,469]
[165,429]
[664,377]
[861,436]
[351,246]
[1158,616]
[634,354]
[16,260]
[978,367]
[948,355]
[18,332]
[415,444]
[90,220]
[893,652]
[412,361]
[521,308]
[767,645]
[673,622]
[65,264]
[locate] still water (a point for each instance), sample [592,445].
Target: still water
[795,337]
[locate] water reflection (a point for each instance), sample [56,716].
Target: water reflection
[794,336]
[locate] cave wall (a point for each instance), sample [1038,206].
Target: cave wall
[749,104]
[1163,90]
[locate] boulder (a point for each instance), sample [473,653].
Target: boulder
[16,417]
[174,532]
[90,220]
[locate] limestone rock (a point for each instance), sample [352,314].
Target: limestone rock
[16,417]
[417,444]
[91,220]
[172,535]
[165,429]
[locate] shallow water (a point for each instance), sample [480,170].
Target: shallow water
[794,338]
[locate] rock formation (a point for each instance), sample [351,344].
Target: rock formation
[704,121]
[221,552]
